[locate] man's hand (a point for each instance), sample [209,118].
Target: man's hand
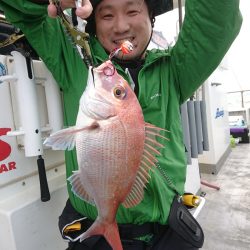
[82,11]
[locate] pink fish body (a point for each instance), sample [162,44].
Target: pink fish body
[115,149]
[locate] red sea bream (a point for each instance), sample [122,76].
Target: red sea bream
[115,149]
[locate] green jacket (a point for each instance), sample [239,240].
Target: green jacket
[166,80]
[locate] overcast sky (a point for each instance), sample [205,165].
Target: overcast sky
[238,55]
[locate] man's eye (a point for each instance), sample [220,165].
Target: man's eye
[133,12]
[107,16]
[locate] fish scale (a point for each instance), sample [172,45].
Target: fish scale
[109,156]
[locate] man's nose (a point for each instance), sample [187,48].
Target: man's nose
[121,24]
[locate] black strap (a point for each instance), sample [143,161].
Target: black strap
[126,231]
[132,231]
[74,17]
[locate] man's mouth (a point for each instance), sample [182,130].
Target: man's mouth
[121,41]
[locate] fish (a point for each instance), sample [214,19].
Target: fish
[116,149]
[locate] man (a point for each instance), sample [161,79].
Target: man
[163,81]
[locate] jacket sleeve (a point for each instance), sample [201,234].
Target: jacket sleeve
[209,29]
[47,36]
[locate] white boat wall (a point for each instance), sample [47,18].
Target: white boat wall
[30,109]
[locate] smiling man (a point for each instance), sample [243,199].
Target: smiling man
[162,81]
[123,20]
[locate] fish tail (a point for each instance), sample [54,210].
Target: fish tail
[109,231]
[112,236]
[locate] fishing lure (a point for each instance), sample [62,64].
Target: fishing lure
[126,47]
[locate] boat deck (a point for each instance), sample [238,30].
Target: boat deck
[225,217]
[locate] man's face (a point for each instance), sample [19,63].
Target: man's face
[120,20]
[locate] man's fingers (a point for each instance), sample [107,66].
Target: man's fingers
[52,10]
[84,10]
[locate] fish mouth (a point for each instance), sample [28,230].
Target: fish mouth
[93,103]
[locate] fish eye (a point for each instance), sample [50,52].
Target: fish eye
[119,92]
[109,70]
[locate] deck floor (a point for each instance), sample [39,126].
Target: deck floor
[225,217]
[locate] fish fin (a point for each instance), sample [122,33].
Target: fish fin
[62,139]
[136,194]
[78,189]
[151,144]
[154,131]
[148,162]
[153,127]
[65,138]
[109,231]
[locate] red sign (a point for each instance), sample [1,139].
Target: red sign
[5,151]
[5,148]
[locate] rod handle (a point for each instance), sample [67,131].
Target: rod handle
[45,194]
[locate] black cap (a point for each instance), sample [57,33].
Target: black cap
[161,6]
[157,6]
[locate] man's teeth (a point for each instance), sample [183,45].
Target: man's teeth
[122,41]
